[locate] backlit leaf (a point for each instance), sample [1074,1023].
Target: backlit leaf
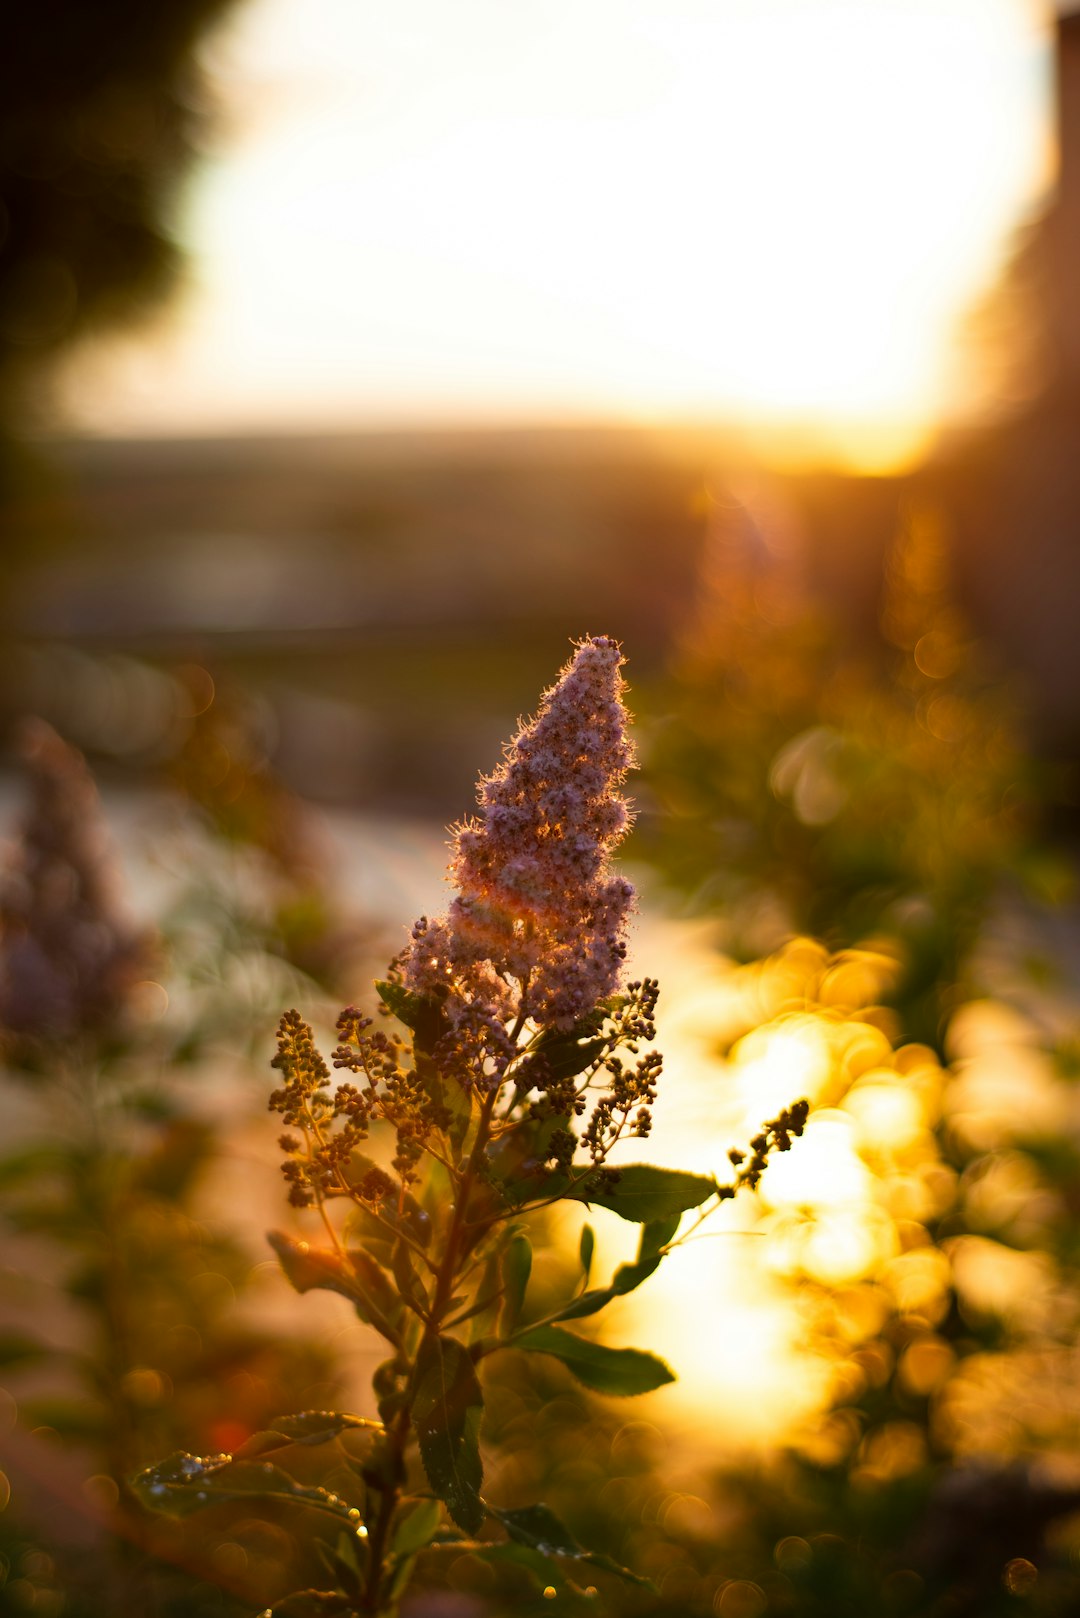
[516,1269]
[417,1529]
[184,1484]
[586,1248]
[646,1194]
[654,1238]
[608,1370]
[307,1427]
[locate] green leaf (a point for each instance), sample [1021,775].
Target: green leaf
[184,1484]
[417,1529]
[540,1529]
[308,1427]
[376,1301]
[545,1573]
[608,1370]
[446,1408]
[356,1277]
[564,1056]
[516,1269]
[339,1562]
[586,1249]
[409,1283]
[421,1013]
[654,1237]
[482,1315]
[646,1194]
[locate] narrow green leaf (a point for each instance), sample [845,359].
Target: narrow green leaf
[184,1484]
[489,1296]
[516,1269]
[308,1427]
[646,1194]
[408,1281]
[545,1572]
[447,1406]
[417,1529]
[628,1276]
[608,1370]
[341,1567]
[586,1248]
[376,1301]
[540,1529]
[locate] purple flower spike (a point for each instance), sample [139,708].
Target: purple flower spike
[537,900]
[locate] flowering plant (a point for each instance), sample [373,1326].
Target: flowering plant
[519,1068]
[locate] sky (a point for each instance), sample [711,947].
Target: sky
[772,212]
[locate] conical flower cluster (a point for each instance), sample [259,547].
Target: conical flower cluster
[537,900]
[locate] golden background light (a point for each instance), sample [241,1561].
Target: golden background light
[768,211]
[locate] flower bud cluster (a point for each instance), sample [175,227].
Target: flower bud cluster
[537,901]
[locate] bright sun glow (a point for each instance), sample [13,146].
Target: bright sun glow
[769,211]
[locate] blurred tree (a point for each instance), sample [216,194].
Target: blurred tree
[102,105]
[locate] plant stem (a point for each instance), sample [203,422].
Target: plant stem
[398,1435]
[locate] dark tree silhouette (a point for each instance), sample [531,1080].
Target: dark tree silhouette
[101,107]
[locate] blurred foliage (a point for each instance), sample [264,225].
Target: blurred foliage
[219,762]
[851,793]
[131,1320]
[863,819]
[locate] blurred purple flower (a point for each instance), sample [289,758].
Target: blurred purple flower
[68,954]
